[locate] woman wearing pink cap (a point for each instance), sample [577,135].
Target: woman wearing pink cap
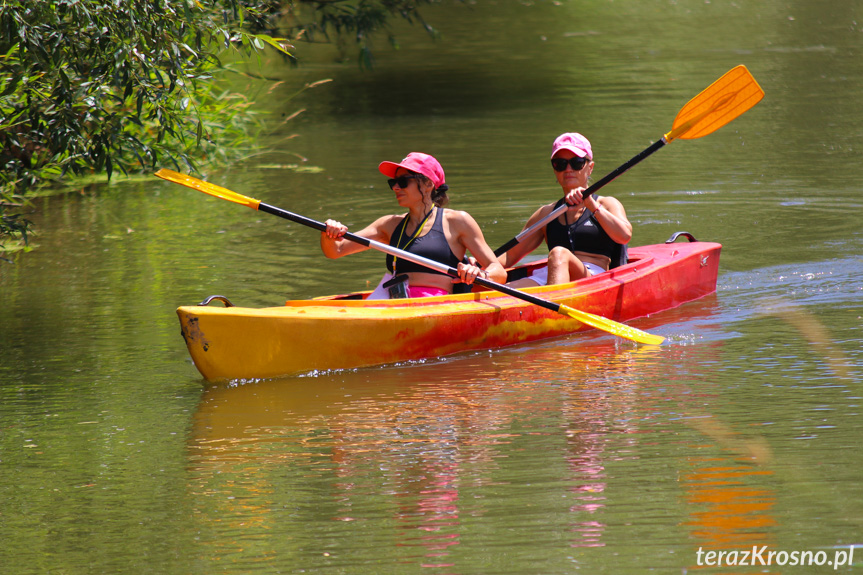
[589,238]
[428,230]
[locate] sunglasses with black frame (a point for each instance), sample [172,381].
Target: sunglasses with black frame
[402,181]
[559,164]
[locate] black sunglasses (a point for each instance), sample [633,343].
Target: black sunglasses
[559,164]
[402,181]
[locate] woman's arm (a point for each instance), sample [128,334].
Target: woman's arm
[466,231]
[611,216]
[528,244]
[608,212]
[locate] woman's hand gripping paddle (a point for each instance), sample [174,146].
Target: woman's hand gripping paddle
[598,322]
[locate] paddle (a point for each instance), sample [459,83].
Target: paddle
[590,319]
[725,99]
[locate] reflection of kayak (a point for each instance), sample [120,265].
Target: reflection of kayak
[347,331]
[243,423]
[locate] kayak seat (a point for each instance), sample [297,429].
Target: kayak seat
[621,258]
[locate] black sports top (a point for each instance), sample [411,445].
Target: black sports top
[583,235]
[432,246]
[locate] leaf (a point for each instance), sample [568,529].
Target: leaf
[10,87]
[280,44]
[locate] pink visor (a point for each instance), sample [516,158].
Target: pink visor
[419,163]
[575,143]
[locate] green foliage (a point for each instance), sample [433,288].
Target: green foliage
[90,85]
[360,19]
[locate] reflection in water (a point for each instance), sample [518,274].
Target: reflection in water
[728,511]
[417,443]
[588,477]
[730,501]
[416,457]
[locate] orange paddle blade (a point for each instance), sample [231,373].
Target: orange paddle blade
[208,188]
[725,99]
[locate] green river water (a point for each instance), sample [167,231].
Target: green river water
[581,454]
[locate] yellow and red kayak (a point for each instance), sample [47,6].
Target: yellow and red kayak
[348,331]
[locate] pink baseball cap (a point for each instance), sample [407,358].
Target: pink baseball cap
[575,143]
[419,163]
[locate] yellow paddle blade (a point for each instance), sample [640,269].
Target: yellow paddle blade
[208,188]
[725,99]
[612,327]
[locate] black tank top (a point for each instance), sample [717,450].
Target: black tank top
[584,235]
[431,246]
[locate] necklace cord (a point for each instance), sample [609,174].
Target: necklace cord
[412,238]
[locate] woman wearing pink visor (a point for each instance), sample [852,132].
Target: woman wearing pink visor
[589,238]
[428,230]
